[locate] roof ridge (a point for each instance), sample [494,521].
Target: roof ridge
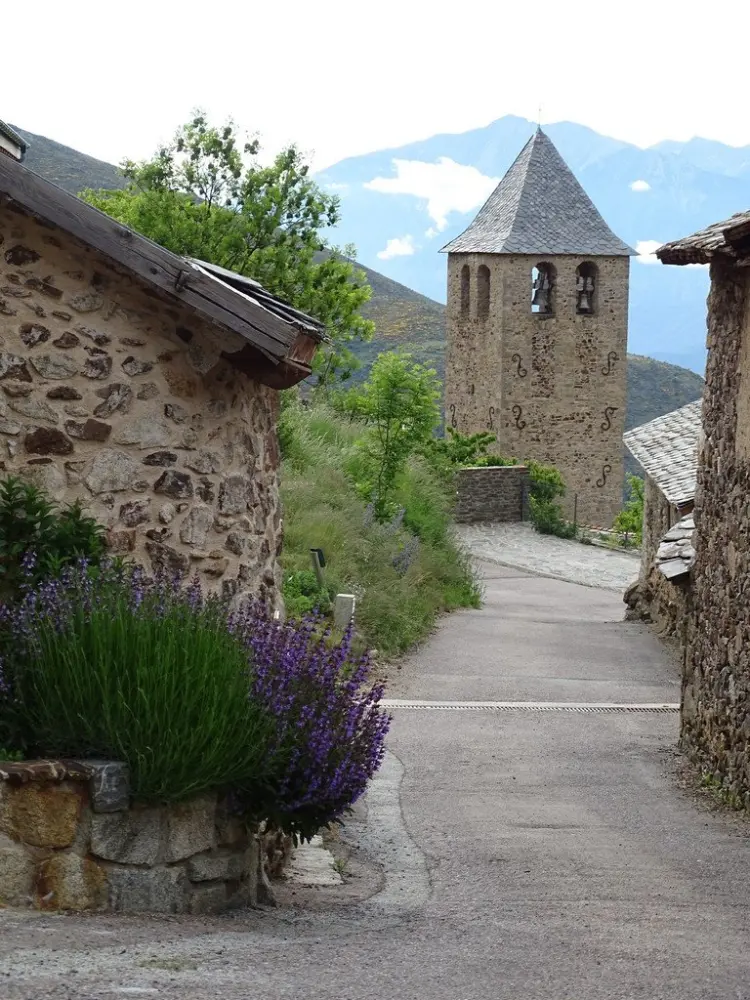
[539,207]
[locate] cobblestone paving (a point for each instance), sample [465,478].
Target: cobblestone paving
[520,546]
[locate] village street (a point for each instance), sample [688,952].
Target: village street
[516,854]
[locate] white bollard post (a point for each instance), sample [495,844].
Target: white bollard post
[343,610]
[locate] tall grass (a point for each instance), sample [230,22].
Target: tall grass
[403,574]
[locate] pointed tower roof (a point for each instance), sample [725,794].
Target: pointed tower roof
[539,208]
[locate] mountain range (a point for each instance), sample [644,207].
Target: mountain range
[403,316]
[400,206]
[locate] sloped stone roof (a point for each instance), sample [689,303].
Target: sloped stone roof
[667,448]
[676,553]
[703,246]
[539,208]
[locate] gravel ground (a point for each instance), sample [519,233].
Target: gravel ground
[518,545]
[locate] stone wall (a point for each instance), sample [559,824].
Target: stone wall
[552,388]
[491,494]
[658,517]
[71,840]
[665,603]
[111,396]
[715,724]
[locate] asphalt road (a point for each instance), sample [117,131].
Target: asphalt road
[518,854]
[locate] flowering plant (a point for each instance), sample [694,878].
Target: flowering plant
[104,661]
[330,728]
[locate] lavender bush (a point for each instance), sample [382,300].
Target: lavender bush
[194,696]
[330,728]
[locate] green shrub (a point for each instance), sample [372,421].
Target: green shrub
[303,595]
[102,665]
[457,449]
[401,587]
[547,518]
[629,522]
[490,461]
[33,528]
[546,487]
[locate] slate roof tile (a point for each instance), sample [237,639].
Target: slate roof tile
[667,448]
[539,208]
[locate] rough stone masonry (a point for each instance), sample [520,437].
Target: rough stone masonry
[70,839]
[111,396]
[716,682]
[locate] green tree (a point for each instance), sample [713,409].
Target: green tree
[629,521]
[400,404]
[206,195]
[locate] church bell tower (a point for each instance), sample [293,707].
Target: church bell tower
[537,330]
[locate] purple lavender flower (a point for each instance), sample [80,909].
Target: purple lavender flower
[328,728]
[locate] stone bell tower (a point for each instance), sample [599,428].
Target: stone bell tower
[537,330]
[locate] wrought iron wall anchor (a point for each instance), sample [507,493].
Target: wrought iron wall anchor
[602,480]
[517,412]
[607,422]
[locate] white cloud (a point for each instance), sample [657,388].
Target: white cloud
[400,246]
[640,186]
[431,233]
[338,188]
[646,250]
[446,186]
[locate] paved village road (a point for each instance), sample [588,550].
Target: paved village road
[527,855]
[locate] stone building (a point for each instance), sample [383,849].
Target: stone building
[667,449]
[537,329]
[145,385]
[715,718]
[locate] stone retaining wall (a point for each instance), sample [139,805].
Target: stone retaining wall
[70,839]
[491,494]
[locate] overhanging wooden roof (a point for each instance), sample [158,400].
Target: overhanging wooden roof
[277,336]
[729,239]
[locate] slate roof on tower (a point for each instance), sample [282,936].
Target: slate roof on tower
[539,208]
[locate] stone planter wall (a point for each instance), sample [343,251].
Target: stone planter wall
[70,839]
[491,494]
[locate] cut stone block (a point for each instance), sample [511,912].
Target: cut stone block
[130,838]
[154,890]
[227,866]
[16,873]
[41,815]
[209,898]
[191,828]
[109,785]
[70,882]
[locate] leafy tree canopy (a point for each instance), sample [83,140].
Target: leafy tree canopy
[206,195]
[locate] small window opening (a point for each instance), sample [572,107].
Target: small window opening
[542,288]
[465,290]
[586,275]
[483,292]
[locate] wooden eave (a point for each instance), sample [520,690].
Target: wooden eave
[271,340]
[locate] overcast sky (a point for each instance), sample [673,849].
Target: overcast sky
[342,78]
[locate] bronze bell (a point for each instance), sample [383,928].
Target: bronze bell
[585,289]
[541,292]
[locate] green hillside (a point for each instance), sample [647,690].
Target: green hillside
[403,318]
